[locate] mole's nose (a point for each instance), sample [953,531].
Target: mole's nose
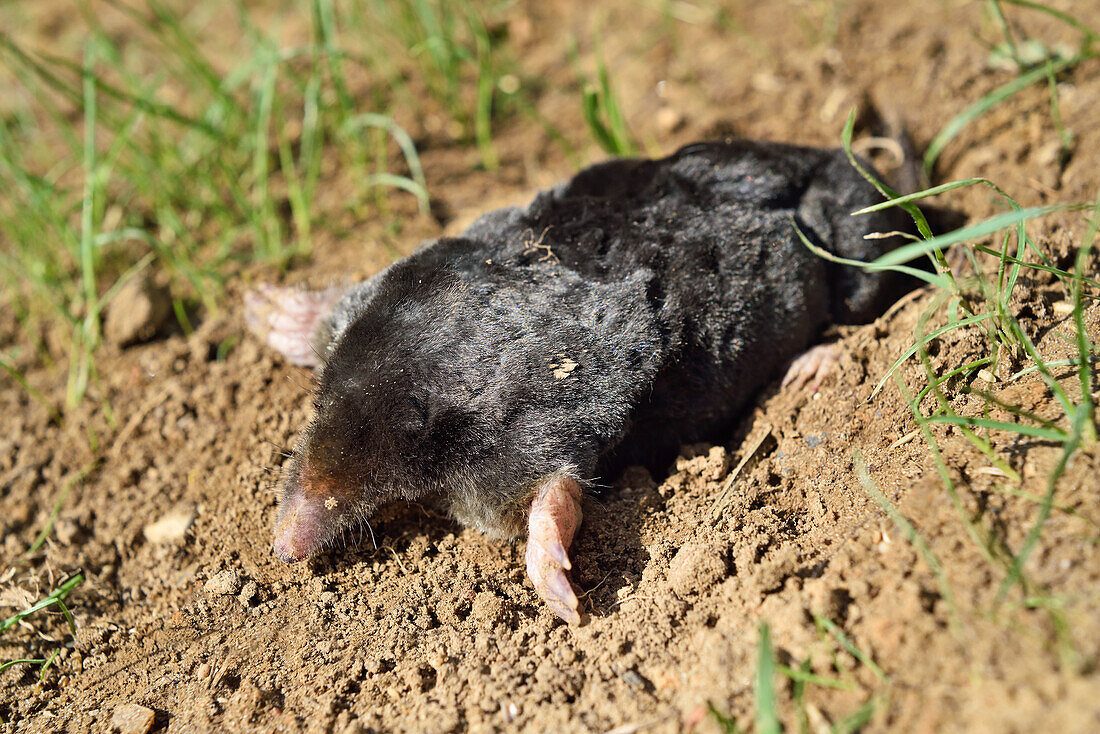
[297,534]
[285,551]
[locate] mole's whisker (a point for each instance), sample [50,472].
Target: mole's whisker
[372,540]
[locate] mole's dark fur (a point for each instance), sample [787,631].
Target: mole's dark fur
[677,287]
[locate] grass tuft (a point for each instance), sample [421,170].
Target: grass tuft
[105,177]
[55,598]
[1047,69]
[982,303]
[600,105]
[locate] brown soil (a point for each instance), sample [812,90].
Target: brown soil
[437,628]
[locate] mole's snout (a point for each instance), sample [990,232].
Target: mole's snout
[300,532]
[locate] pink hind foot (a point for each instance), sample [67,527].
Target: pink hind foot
[555,517]
[812,366]
[287,318]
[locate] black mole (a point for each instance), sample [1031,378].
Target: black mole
[640,305]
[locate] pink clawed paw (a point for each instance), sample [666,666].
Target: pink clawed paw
[555,516]
[287,319]
[812,367]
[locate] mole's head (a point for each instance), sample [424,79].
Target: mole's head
[387,426]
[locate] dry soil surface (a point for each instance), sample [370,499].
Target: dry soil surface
[430,627]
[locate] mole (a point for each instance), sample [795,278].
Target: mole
[641,305]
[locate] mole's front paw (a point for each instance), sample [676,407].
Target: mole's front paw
[812,366]
[555,517]
[287,318]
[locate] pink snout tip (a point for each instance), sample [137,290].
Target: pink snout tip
[284,551]
[296,534]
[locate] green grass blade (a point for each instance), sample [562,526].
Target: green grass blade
[924,339]
[268,235]
[590,106]
[767,720]
[936,191]
[624,141]
[1022,429]
[828,625]
[1057,272]
[46,665]
[326,28]
[986,103]
[1016,572]
[804,676]
[1056,363]
[408,150]
[58,594]
[846,142]
[1084,348]
[1006,31]
[986,227]
[969,367]
[62,496]
[106,88]
[1066,18]
[21,661]
[486,89]
[89,329]
[916,540]
[972,530]
[726,723]
[857,719]
[992,399]
[399,182]
[1052,384]
[37,396]
[923,194]
[939,281]
[1037,499]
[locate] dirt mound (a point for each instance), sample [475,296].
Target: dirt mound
[168,505]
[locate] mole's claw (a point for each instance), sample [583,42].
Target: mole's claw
[568,613]
[555,515]
[812,366]
[557,552]
[560,588]
[287,318]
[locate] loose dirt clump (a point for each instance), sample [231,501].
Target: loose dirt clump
[168,505]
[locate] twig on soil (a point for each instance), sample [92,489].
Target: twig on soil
[904,439]
[724,496]
[397,558]
[640,725]
[589,591]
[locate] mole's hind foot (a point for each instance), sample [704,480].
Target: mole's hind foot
[812,366]
[555,517]
[287,319]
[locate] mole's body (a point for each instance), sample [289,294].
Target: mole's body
[640,305]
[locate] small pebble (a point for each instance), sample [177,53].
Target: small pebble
[633,679]
[224,583]
[172,527]
[132,718]
[138,312]
[669,120]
